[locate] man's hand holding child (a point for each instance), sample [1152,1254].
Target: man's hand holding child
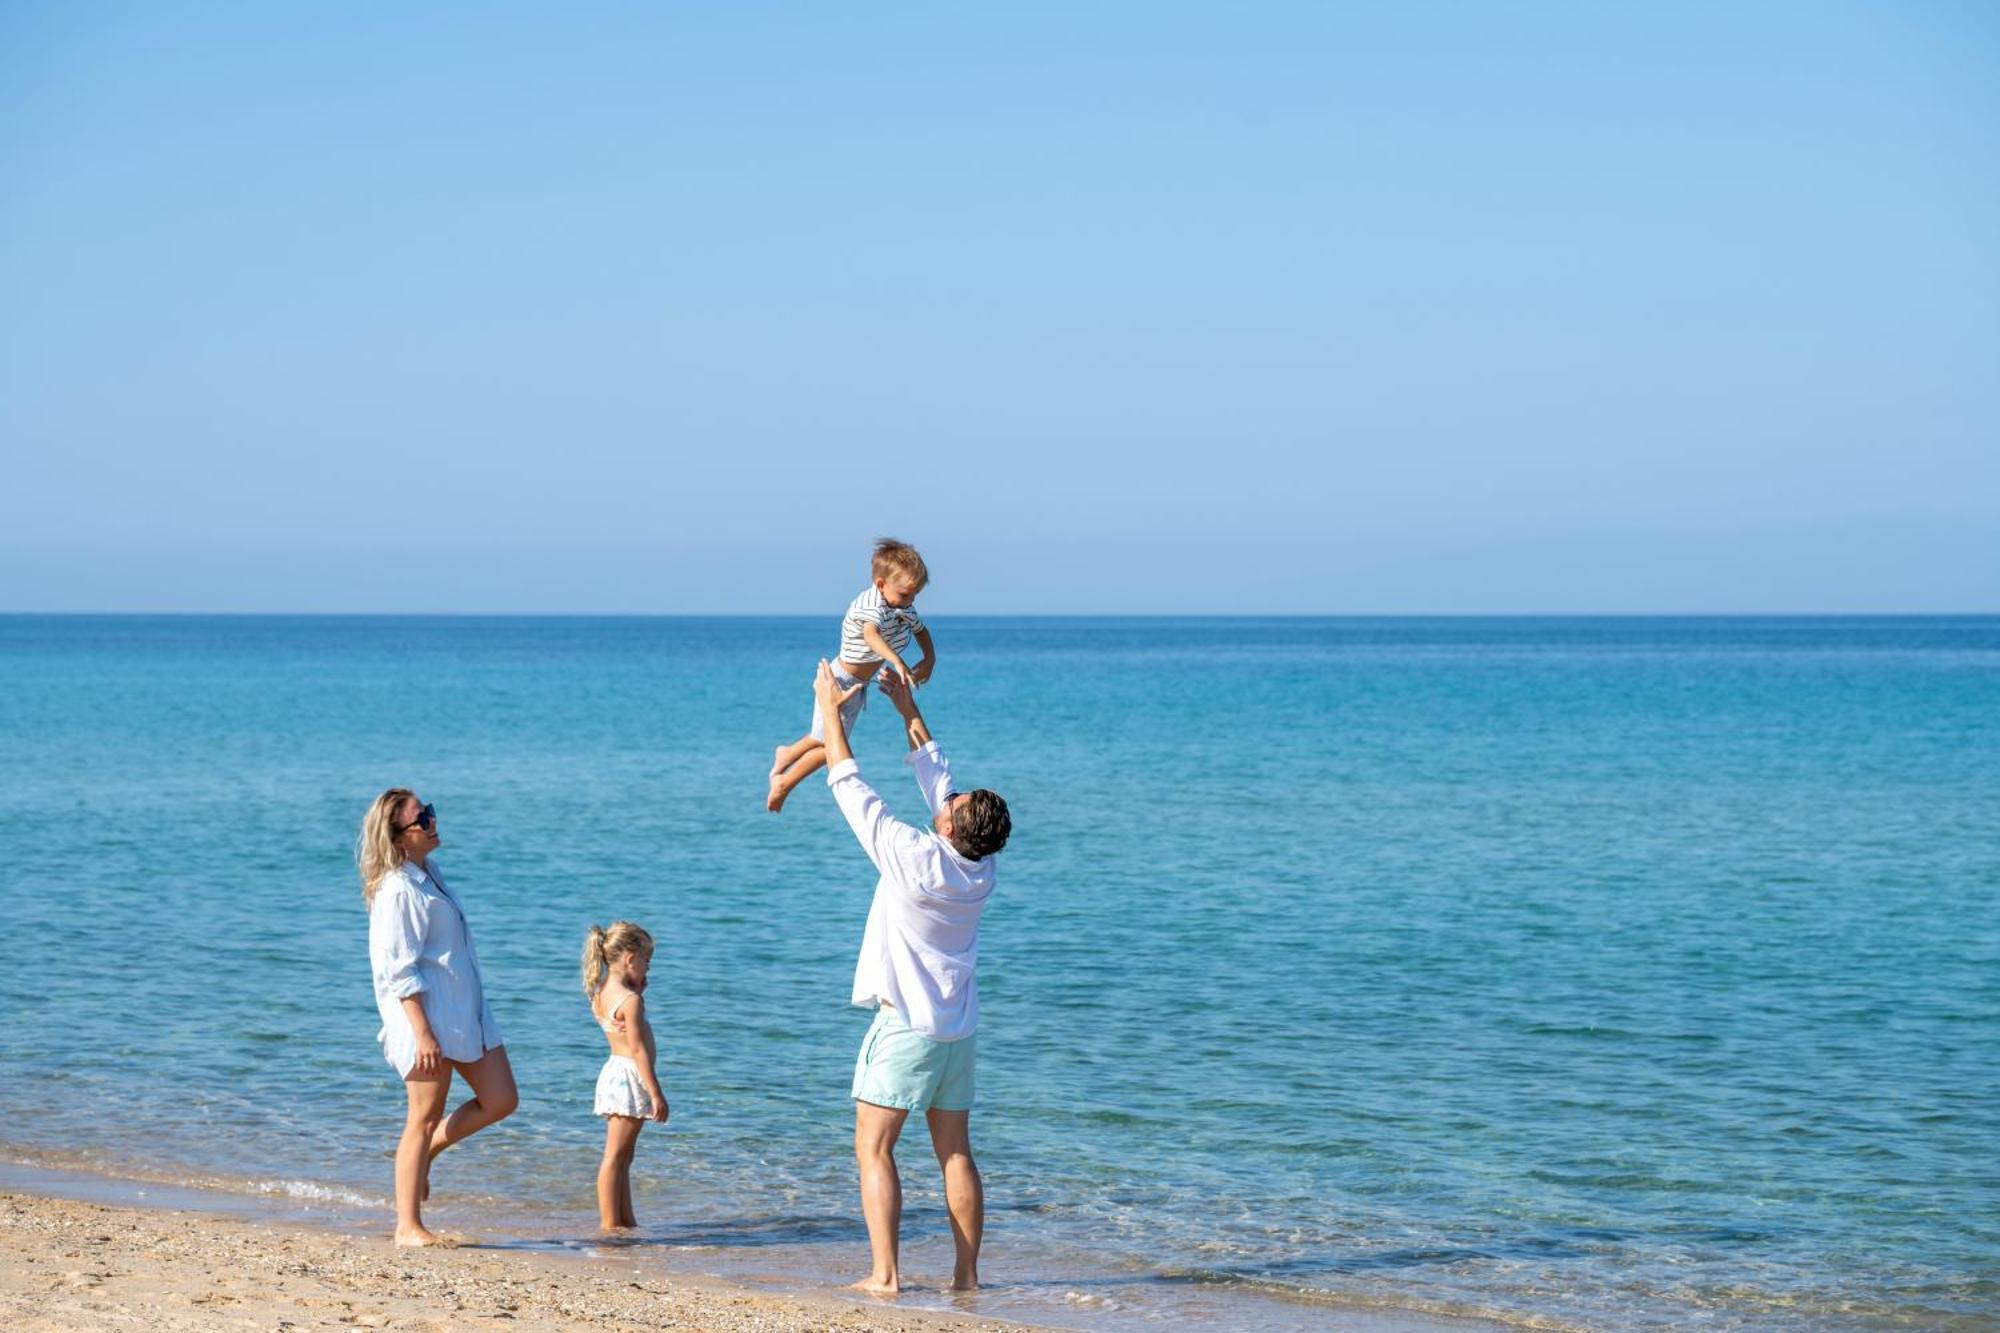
[827,691]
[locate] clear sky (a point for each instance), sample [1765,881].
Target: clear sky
[1397,307]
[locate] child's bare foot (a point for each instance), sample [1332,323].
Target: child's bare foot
[775,801]
[873,1287]
[417,1237]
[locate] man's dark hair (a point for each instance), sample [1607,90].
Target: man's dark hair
[980,827]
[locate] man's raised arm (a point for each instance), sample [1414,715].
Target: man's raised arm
[879,832]
[933,770]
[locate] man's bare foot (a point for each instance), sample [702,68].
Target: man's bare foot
[411,1238]
[873,1287]
[776,800]
[964,1284]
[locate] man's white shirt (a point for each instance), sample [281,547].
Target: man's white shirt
[921,945]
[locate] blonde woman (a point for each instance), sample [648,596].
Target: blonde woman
[615,961]
[435,1018]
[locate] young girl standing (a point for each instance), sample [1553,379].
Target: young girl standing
[628,1092]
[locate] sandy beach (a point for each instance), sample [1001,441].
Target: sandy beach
[66,1264]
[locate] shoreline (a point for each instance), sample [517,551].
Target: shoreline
[85,1249]
[70,1263]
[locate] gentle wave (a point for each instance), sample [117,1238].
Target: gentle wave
[320,1192]
[121,1168]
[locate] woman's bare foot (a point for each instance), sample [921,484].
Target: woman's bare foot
[778,761]
[776,800]
[416,1237]
[874,1288]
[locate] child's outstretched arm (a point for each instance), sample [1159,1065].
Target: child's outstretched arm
[873,638]
[922,671]
[635,1019]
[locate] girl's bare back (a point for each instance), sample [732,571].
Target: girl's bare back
[619,1033]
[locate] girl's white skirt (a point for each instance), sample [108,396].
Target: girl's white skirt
[620,1091]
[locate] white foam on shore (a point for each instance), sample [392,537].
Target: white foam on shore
[138,1180]
[318,1193]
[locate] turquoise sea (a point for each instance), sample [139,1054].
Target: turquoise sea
[1575,973]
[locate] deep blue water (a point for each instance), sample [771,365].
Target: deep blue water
[1625,972]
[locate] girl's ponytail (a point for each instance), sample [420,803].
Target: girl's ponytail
[600,946]
[594,966]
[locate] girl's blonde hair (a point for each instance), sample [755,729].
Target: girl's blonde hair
[375,851]
[601,945]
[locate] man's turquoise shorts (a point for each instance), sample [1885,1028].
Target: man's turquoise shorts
[904,1069]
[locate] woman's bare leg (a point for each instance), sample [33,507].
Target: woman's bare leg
[493,1098]
[427,1095]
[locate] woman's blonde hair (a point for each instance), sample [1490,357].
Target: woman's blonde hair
[375,851]
[602,944]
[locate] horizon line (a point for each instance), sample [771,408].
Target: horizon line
[1017,615]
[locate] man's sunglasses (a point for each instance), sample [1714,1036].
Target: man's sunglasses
[427,819]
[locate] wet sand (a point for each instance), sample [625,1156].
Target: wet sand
[72,1265]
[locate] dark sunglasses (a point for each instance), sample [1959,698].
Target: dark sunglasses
[427,819]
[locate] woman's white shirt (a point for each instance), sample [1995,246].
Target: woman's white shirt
[419,944]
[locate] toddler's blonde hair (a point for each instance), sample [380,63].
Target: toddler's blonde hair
[602,944]
[894,557]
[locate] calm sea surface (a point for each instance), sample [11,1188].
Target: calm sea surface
[1600,973]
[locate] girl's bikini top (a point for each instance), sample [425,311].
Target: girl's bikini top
[610,1021]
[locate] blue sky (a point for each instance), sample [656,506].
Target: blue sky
[1110,308]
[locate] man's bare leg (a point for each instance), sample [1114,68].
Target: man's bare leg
[875,1132]
[804,767]
[964,1194]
